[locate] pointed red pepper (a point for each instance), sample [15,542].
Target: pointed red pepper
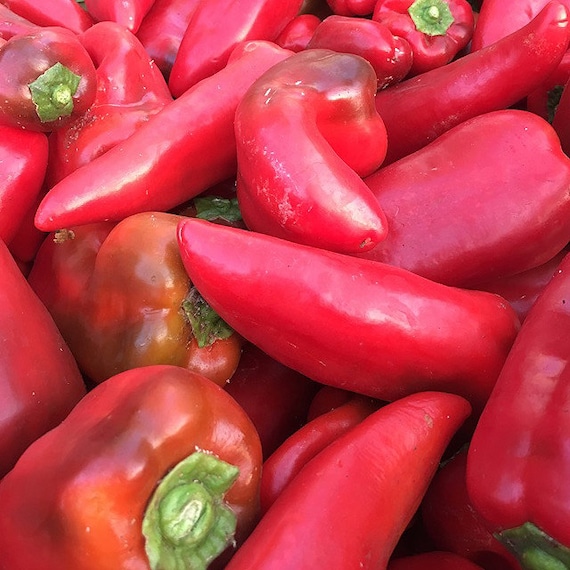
[127,13]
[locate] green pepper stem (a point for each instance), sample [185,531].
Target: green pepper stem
[534,549]
[431,17]
[187,523]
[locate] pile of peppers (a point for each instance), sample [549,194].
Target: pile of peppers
[285,284]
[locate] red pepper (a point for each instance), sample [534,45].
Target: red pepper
[11,24]
[275,397]
[130,89]
[390,56]
[298,32]
[352,323]
[460,228]
[419,109]
[127,13]
[65,13]
[39,379]
[561,119]
[517,467]
[121,298]
[352,7]
[24,159]
[436,30]
[217,27]
[349,505]
[454,525]
[327,399]
[174,156]
[283,465]
[433,561]
[48,80]
[112,486]
[162,29]
[312,113]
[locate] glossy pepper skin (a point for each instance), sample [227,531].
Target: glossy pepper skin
[487,80]
[352,7]
[65,13]
[390,56]
[435,560]
[121,297]
[517,465]
[487,199]
[217,27]
[39,379]
[177,154]
[85,506]
[298,32]
[24,160]
[370,480]
[12,24]
[127,13]
[130,89]
[367,327]
[47,79]
[306,131]
[436,30]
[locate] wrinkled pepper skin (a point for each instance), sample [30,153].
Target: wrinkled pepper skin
[217,27]
[118,293]
[39,379]
[435,560]
[460,228]
[421,108]
[127,13]
[177,154]
[349,505]
[390,55]
[130,89]
[367,327]
[306,131]
[83,505]
[24,160]
[518,464]
[47,79]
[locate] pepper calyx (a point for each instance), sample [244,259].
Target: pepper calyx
[431,17]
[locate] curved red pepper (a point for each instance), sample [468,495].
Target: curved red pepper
[121,298]
[24,160]
[436,30]
[419,109]
[130,89]
[352,7]
[433,561]
[298,32]
[306,131]
[162,30]
[458,228]
[48,79]
[65,13]
[350,504]
[283,465]
[11,24]
[390,55]
[347,322]
[39,379]
[127,13]
[217,27]
[177,154]
[87,495]
[517,467]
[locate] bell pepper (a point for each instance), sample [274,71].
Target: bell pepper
[65,13]
[283,465]
[130,89]
[306,131]
[177,154]
[459,229]
[390,56]
[156,468]
[24,160]
[436,30]
[486,80]
[217,27]
[298,32]
[275,397]
[121,298]
[372,328]
[517,466]
[454,525]
[436,560]
[39,379]
[349,505]
[48,79]
[352,7]
[162,29]
[127,13]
